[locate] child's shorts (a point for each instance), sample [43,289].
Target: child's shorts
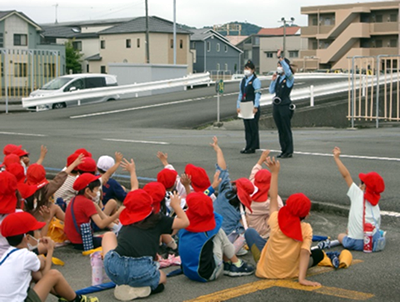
[135,272]
[357,244]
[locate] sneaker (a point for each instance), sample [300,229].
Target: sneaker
[244,270]
[334,256]
[326,244]
[242,252]
[227,268]
[127,293]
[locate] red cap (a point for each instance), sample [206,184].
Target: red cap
[245,189]
[83,151]
[26,190]
[262,180]
[88,165]
[8,187]
[72,158]
[20,152]
[84,180]
[11,158]
[17,170]
[297,206]
[199,178]
[167,177]
[10,148]
[138,206]
[157,191]
[36,175]
[20,223]
[374,186]
[200,213]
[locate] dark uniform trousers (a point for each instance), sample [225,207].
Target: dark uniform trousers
[251,131]
[282,117]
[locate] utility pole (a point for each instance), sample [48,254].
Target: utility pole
[147,35]
[284,21]
[174,32]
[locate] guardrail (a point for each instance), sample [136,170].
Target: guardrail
[109,91]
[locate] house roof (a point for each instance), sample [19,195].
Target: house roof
[138,25]
[6,14]
[67,32]
[205,33]
[290,31]
[90,22]
[235,40]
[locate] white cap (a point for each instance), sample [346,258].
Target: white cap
[105,162]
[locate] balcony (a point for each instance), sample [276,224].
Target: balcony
[313,31]
[308,53]
[386,28]
[383,51]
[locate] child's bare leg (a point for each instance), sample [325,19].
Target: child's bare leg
[341,237]
[111,207]
[109,242]
[163,277]
[53,279]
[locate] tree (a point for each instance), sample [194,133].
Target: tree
[73,58]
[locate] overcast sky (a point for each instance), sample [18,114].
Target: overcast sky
[197,13]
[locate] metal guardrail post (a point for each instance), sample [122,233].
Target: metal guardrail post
[312,96]
[352,93]
[378,64]
[6,72]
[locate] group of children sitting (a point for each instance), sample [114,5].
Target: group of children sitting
[206,223]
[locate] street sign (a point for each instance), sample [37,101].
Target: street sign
[219,86]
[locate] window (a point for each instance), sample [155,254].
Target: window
[393,42]
[20,40]
[172,43]
[103,44]
[77,45]
[49,69]
[226,48]
[218,47]
[378,43]
[208,46]
[193,45]
[378,18]
[77,84]
[2,70]
[393,18]
[314,21]
[180,44]
[314,44]
[1,40]
[20,70]
[102,69]
[226,66]
[138,43]
[269,54]
[256,41]
[293,54]
[218,66]
[128,43]
[87,68]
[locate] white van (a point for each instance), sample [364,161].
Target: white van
[73,82]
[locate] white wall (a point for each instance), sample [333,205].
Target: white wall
[14,25]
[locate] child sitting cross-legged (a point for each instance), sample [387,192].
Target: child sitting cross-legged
[204,247]
[129,259]
[19,266]
[287,252]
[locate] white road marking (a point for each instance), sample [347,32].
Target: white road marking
[342,155]
[23,134]
[134,141]
[387,213]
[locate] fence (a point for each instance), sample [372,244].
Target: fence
[24,70]
[369,77]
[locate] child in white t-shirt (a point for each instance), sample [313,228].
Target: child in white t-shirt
[372,185]
[19,266]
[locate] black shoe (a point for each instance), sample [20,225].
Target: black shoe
[243,150]
[249,151]
[279,156]
[289,155]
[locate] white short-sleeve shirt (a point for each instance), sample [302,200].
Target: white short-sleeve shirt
[355,223]
[15,274]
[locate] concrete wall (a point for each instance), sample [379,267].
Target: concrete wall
[15,25]
[143,73]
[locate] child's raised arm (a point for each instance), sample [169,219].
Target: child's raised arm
[131,168]
[111,171]
[274,167]
[181,221]
[220,156]
[163,157]
[342,168]
[43,152]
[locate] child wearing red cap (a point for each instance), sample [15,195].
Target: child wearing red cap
[130,263]
[261,178]
[287,253]
[204,246]
[82,210]
[364,207]
[19,266]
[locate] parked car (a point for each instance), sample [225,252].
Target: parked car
[73,82]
